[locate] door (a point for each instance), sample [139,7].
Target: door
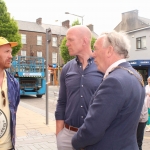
[144,72]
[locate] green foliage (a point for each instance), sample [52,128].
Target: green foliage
[9,28]
[92,43]
[64,51]
[76,22]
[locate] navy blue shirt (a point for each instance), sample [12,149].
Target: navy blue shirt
[76,89]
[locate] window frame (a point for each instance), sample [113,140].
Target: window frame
[39,40]
[141,42]
[54,58]
[37,53]
[54,41]
[23,38]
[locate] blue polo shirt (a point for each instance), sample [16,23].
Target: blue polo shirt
[76,89]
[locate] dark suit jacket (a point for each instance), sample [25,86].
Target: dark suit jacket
[113,114]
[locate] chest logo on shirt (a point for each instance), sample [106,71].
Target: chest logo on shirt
[3,123]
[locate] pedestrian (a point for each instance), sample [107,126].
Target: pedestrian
[79,80]
[142,124]
[147,96]
[114,112]
[9,98]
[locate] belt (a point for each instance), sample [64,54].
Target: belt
[71,128]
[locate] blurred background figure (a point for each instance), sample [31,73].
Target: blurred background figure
[147,90]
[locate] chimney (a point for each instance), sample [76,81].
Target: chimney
[130,14]
[66,23]
[39,21]
[90,26]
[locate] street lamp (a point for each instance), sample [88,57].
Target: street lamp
[75,15]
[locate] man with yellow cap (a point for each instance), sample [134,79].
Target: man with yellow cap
[9,97]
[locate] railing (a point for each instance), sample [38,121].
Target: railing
[28,64]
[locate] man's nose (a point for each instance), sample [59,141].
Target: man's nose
[10,55]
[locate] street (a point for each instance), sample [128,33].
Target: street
[41,102]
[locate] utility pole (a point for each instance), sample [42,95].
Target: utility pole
[48,40]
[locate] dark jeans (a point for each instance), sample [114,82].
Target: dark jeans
[140,134]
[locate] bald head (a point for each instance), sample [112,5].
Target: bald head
[79,40]
[81,31]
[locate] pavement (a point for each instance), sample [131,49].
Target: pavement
[32,132]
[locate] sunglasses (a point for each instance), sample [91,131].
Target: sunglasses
[4,98]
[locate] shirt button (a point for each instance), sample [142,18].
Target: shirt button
[81,106]
[81,116]
[80,66]
[81,96]
[82,75]
[82,85]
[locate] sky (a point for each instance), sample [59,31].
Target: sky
[105,15]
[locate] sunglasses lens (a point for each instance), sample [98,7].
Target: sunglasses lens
[3,95]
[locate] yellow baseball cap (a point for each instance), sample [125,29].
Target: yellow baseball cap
[3,41]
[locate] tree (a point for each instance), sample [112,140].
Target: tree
[92,43]
[76,22]
[9,28]
[64,50]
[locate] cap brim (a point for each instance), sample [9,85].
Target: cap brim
[13,44]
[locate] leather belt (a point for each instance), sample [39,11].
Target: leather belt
[71,128]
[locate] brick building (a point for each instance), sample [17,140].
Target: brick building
[33,36]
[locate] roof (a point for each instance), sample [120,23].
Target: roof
[145,20]
[34,27]
[59,30]
[30,26]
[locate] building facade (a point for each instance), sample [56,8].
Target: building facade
[138,30]
[33,36]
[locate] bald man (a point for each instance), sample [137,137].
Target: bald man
[79,80]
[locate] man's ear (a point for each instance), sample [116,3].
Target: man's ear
[84,41]
[110,51]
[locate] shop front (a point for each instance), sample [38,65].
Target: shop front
[143,67]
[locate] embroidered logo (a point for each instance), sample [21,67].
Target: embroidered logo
[3,123]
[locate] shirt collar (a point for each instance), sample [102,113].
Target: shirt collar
[90,60]
[113,66]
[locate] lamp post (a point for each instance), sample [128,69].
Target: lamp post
[48,40]
[75,15]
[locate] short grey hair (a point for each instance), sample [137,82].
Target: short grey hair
[119,41]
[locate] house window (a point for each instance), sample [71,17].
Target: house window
[39,40]
[39,54]
[23,53]
[54,41]
[54,58]
[23,38]
[141,42]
